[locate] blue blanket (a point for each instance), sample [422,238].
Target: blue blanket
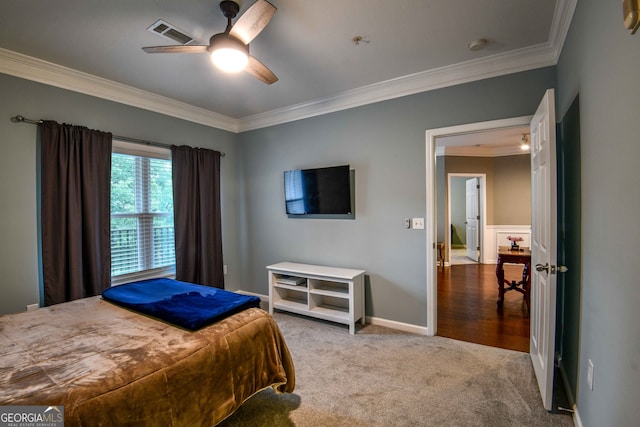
[183,304]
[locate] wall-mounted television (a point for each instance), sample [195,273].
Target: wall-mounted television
[320,191]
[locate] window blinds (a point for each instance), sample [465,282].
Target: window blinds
[142,231]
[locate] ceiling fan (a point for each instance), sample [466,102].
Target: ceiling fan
[230,50]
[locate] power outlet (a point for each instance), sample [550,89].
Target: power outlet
[590,374]
[417,223]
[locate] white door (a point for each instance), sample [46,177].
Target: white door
[472,218]
[543,245]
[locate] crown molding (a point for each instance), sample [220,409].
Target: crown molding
[524,59]
[27,67]
[542,55]
[562,16]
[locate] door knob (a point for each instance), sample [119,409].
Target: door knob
[540,267]
[554,269]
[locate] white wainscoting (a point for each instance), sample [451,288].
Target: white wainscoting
[496,235]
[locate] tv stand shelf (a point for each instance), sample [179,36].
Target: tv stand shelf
[328,293]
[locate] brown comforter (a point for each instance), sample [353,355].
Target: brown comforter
[111,366]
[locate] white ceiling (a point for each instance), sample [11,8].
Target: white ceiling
[94,46]
[495,142]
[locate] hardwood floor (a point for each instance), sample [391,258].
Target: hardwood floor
[467,309]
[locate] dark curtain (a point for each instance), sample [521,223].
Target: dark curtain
[75,215]
[196,206]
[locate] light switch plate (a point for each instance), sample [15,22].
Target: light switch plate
[418,223]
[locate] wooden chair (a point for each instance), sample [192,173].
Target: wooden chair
[440,248]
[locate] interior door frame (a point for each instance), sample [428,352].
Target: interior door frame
[431,201]
[483,212]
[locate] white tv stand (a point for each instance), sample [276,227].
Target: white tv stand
[328,293]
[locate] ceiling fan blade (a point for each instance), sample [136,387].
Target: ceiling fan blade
[177,49]
[253,21]
[260,71]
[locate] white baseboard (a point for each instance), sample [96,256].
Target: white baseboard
[565,384]
[400,326]
[576,417]
[263,298]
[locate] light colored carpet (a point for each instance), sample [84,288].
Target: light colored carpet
[459,256]
[381,377]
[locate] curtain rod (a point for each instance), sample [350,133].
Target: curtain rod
[22,119]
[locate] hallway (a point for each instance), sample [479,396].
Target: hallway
[467,309]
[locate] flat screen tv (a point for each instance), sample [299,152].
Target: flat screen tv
[318,191]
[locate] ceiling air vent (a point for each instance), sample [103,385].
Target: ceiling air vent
[169,31]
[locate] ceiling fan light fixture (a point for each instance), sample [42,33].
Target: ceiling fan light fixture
[229,59]
[229,51]
[228,54]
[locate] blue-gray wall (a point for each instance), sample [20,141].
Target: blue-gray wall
[385,144]
[18,181]
[600,62]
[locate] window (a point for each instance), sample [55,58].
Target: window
[142,231]
[293,192]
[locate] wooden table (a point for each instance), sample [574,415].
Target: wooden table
[522,256]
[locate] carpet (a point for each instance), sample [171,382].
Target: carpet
[459,256]
[383,377]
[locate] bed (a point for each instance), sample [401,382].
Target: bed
[108,365]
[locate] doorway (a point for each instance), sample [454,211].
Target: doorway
[466,218]
[543,239]
[458,135]
[467,289]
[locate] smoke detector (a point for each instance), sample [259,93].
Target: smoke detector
[478,44]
